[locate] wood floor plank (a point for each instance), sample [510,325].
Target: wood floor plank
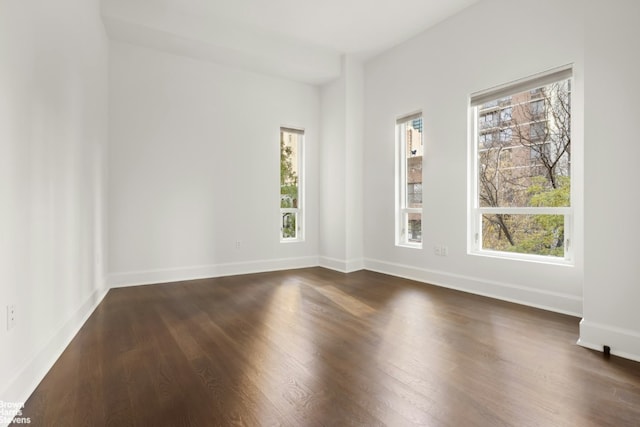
[314,347]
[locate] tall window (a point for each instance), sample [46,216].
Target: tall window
[409,173]
[521,205]
[291,185]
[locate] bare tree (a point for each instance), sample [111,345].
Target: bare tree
[490,190]
[544,126]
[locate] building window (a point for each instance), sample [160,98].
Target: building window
[537,107]
[488,139]
[535,93]
[291,185]
[506,135]
[487,120]
[409,188]
[538,130]
[505,115]
[521,204]
[539,153]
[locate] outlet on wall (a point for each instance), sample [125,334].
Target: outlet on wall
[441,250]
[11,316]
[238,244]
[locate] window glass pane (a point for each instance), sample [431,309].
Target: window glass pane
[289,146]
[409,191]
[536,93]
[537,107]
[506,134]
[505,114]
[537,135]
[414,195]
[291,185]
[413,227]
[413,154]
[537,131]
[527,234]
[288,227]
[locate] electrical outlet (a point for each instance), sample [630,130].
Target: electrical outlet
[11,316]
[441,250]
[238,244]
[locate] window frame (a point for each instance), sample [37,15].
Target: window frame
[299,210]
[476,213]
[402,210]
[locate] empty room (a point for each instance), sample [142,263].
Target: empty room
[298,213]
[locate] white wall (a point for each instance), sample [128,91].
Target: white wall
[612,208]
[333,174]
[53,132]
[194,167]
[493,42]
[354,134]
[191,29]
[341,164]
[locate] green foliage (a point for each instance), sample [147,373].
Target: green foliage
[288,178]
[543,196]
[534,234]
[543,235]
[289,225]
[546,232]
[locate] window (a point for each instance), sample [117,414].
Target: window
[537,107]
[506,135]
[487,139]
[505,115]
[291,185]
[490,104]
[487,120]
[409,187]
[538,131]
[535,93]
[521,204]
[539,152]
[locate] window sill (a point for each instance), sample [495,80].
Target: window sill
[510,256]
[409,245]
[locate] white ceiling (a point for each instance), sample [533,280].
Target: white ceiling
[298,39]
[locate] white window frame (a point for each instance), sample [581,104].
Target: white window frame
[402,211]
[475,212]
[299,211]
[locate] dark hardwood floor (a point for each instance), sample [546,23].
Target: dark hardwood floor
[314,347]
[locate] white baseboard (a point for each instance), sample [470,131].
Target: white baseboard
[355,265]
[33,371]
[208,271]
[342,266]
[552,301]
[622,342]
